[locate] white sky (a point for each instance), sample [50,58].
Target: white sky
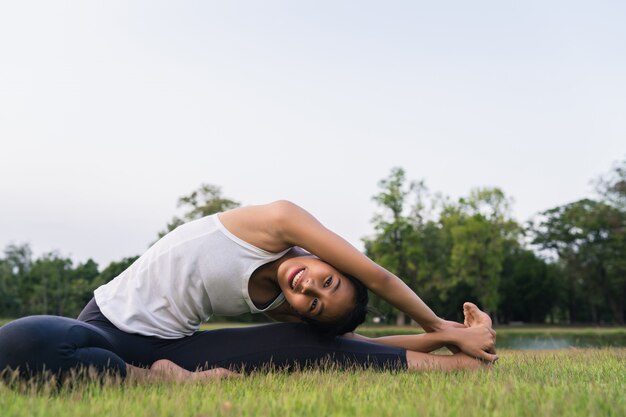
[110,111]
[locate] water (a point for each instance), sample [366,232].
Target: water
[533,338]
[542,342]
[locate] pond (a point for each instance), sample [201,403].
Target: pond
[532,338]
[559,341]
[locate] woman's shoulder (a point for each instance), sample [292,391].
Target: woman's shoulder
[259,225]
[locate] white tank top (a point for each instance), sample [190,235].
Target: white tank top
[197,270]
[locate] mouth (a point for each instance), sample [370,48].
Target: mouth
[295,277]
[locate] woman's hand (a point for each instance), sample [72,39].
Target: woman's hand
[478,341]
[442,325]
[445,325]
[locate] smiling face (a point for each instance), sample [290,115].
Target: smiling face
[315,289]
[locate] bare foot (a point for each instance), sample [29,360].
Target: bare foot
[418,361]
[167,370]
[464,361]
[474,316]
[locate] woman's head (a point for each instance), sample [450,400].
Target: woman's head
[332,302]
[353,318]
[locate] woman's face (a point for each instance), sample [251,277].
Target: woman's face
[315,289]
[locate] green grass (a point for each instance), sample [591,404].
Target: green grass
[585,382]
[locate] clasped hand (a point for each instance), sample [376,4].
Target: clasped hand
[477,341]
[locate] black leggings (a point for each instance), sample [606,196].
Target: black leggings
[58,344]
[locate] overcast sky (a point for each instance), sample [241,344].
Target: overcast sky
[109,111]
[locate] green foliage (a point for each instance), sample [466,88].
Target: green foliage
[529,288]
[481,229]
[14,268]
[50,284]
[395,246]
[473,250]
[589,238]
[456,257]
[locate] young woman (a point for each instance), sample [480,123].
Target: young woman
[247,259]
[32,346]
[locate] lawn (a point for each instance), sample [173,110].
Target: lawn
[581,382]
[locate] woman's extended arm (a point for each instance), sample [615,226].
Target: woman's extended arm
[475,341]
[299,228]
[424,342]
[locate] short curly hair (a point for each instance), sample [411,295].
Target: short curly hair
[350,321]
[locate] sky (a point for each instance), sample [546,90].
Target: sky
[110,111]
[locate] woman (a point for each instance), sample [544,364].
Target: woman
[34,345]
[248,259]
[243,260]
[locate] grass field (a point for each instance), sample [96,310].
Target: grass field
[571,382]
[585,382]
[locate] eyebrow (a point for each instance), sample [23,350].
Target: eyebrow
[321,310]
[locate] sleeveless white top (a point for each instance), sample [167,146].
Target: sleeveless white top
[197,270]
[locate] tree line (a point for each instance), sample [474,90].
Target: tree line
[566,265]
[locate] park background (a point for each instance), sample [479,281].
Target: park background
[565,266]
[475,148]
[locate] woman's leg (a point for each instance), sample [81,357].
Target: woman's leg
[40,345]
[141,352]
[134,349]
[35,344]
[287,345]
[282,345]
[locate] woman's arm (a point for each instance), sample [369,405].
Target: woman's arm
[425,342]
[476,341]
[297,227]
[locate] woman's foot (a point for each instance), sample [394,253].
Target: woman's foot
[418,361]
[464,361]
[166,370]
[474,316]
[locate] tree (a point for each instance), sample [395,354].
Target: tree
[10,302]
[82,283]
[14,268]
[588,237]
[480,226]
[529,289]
[395,246]
[612,189]
[49,282]
[204,201]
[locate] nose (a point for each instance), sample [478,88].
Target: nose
[308,286]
